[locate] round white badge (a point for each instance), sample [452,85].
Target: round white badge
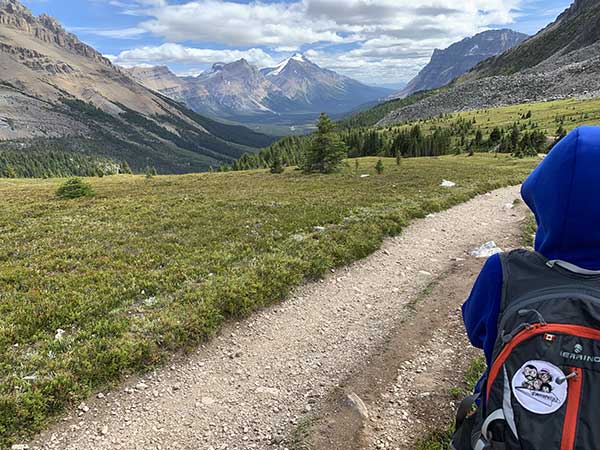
[536,389]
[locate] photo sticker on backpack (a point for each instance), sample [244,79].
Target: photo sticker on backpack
[536,389]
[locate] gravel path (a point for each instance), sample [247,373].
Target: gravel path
[255,382]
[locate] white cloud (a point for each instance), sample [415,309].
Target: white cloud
[175,53]
[123,33]
[390,38]
[309,21]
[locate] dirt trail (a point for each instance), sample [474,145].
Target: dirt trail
[285,369]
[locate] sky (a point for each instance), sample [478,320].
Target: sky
[379,42]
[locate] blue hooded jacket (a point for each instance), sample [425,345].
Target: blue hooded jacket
[561,192]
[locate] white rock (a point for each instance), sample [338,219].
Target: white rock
[486,250]
[358,405]
[83,407]
[448,184]
[20,447]
[141,386]
[59,334]
[207,401]
[269,391]
[365,175]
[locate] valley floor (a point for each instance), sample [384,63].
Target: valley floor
[386,327]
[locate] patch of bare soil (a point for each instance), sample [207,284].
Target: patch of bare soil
[405,384]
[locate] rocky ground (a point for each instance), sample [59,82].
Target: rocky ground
[264,379]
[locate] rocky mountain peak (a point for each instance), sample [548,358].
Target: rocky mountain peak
[14,14]
[153,71]
[240,68]
[50,23]
[14,7]
[460,57]
[45,28]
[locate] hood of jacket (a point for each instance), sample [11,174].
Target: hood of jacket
[564,194]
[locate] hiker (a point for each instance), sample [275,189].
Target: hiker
[536,315]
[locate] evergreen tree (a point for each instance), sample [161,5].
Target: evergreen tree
[124,168]
[276,165]
[515,136]
[379,168]
[478,138]
[10,172]
[151,172]
[326,152]
[495,136]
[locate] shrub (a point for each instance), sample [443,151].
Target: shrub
[379,167]
[74,188]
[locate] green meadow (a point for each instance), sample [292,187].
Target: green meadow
[150,266]
[545,116]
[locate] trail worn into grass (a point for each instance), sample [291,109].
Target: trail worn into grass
[268,378]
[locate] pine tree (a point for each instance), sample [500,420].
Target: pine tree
[326,152]
[10,172]
[151,172]
[495,136]
[379,168]
[478,138]
[276,165]
[515,136]
[124,168]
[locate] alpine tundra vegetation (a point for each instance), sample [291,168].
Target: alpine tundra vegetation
[149,266]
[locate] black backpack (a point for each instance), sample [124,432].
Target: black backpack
[543,389]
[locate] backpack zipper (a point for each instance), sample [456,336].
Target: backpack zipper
[530,332]
[572,413]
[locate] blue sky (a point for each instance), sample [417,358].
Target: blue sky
[375,41]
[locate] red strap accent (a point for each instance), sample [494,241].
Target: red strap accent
[574,330]
[572,413]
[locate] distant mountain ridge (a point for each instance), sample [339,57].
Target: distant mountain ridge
[56,89]
[576,28]
[561,61]
[459,58]
[239,90]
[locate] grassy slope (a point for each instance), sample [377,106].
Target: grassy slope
[546,115]
[149,266]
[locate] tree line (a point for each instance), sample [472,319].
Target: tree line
[459,136]
[50,164]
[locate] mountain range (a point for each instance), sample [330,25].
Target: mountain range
[57,92]
[561,61]
[459,58]
[240,91]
